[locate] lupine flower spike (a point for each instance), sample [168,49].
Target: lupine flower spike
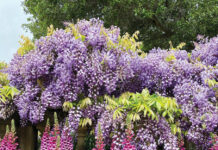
[99,142]
[215,143]
[9,140]
[127,143]
[45,137]
[66,138]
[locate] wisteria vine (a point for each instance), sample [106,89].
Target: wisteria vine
[89,60]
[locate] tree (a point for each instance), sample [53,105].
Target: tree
[159,21]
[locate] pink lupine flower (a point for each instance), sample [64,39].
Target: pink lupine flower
[215,143]
[99,143]
[181,145]
[51,139]
[66,141]
[128,140]
[9,140]
[112,145]
[45,137]
[52,143]
[66,138]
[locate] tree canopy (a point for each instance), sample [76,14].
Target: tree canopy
[159,21]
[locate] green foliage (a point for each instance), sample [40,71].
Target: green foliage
[211,83]
[90,141]
[126,42]
[3,65]
[75,32]
[170,58]
[3,77]
[26,45]
[143,104]
[138,105]
[85,102]
[82,104]
[158,21]
[85,121]
[67,106]
[7,93]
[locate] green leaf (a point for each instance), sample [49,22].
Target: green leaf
[67,106]
[164,113]
[83,37]
[85,102]
[14,91]
[117,113]
[170,58]
[135,117]
[3,99]
[85,121]
[173,128]
[204,126]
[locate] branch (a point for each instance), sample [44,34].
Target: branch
[161,27]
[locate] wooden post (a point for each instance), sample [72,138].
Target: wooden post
[82,132]
[27,138]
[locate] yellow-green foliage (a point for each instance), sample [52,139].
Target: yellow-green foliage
[211,83]
[85,102]
[26,45]
[71,28]
[180,46]
[82,104]
[7,93]
[125,42]
[143,104]
[85,121]
[3,65]
[138,105]
[3,77]
[170,58]
[130,42]
[50,30]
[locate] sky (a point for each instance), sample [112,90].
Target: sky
[12,17]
